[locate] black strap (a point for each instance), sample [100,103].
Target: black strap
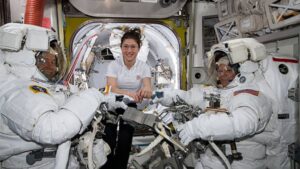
[38,155]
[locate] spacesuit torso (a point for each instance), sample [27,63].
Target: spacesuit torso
[237,98]
[22,101]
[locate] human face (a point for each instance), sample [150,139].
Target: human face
[225,74]
[130,49]
[47,64]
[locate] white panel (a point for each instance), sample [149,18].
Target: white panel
[17,10]
[202,9]
[287,46]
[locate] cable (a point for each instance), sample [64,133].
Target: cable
[221,154]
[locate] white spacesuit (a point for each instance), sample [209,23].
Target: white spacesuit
[244,109]
[36,117]
[281,73]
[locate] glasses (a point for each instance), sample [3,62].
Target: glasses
[132,47]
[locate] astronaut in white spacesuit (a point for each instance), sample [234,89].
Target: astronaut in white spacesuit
[243,111]
[35,116]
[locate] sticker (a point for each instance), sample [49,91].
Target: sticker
[242,79]
[38,89]
[283,69]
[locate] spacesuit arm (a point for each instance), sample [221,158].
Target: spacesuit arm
[35,116]
[70,119]
[248,114]
[194,96]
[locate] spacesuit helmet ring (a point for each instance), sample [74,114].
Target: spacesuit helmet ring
[225,71]
[51,63]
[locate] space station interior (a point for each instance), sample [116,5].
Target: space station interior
[179,39]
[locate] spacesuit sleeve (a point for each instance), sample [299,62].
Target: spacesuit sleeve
[249,115]
[36,116]
[194,96]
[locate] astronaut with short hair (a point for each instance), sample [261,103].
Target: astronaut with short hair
[243,110]
[35,117]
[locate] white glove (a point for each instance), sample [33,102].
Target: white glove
[110,99]
[100,151]
[186,132]
[168,96]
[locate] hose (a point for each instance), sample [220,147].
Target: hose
[34,12]
[62,155]
[91,141]
[220,153]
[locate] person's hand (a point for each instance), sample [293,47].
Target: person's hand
[186,133]
[135,96]
[145,92]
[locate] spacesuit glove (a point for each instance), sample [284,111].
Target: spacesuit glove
[113,104]
[187,133]
[100,151]
[166,96]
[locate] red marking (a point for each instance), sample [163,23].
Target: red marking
[249,91]
[46,23]
[285,60]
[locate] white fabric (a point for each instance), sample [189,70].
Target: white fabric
[128,79]
[285,129]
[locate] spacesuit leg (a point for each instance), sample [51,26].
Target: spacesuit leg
[280,159]
[209,161]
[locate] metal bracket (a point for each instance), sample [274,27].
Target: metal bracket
[228,29]
[293,94]
[277,12]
